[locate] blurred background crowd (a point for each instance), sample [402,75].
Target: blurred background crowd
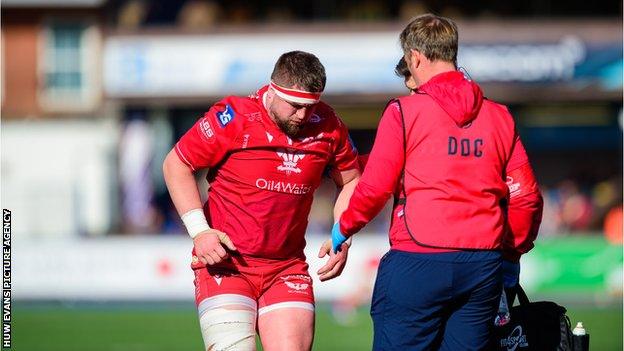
[96,92]
[97,67]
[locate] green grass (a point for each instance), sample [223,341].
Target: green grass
[603,325]
[141,328]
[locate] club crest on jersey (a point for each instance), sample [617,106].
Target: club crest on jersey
[290,159]
[226,116]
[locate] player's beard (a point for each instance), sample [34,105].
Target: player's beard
[288,128]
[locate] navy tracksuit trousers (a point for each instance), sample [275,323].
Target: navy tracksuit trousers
[441,301]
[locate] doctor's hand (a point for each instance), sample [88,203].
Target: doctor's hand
[336,262]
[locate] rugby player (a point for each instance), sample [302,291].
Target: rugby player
[266,154]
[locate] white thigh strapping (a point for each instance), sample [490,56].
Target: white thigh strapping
[228,322]
[289,304]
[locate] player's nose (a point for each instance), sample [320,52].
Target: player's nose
[300,115]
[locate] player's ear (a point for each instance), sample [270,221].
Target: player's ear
[270,94]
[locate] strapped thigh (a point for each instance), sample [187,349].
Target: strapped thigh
[228,322]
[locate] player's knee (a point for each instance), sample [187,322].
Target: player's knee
[228,322]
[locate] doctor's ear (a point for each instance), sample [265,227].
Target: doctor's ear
[415,58]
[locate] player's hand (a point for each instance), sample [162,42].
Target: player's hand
[337,238]
[511,274]
[209,246]
[336,262]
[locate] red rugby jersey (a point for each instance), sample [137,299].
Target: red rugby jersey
[262,181]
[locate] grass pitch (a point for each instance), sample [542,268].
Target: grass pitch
[154,327]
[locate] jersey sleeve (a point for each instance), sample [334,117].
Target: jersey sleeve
[524,212]
[210,139]
[381,174]
[345,152]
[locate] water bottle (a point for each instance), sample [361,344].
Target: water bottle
[502,316]
[580,338]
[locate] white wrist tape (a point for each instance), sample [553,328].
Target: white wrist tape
[195,222]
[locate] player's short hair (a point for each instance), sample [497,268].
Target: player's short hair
[401,69]
[301,69]
[433,36]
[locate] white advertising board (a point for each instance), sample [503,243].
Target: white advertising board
[358,62]
[151,268]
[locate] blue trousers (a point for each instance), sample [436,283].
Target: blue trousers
[441,301]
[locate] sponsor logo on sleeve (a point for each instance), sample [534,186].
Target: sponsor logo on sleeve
[206,130]
[514,187]
[254,116]
[226,116]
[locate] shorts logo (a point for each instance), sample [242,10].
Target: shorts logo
[226,116]
[218,278]
[514,340]
[290,159]
[297,286]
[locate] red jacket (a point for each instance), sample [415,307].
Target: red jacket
[467,182]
